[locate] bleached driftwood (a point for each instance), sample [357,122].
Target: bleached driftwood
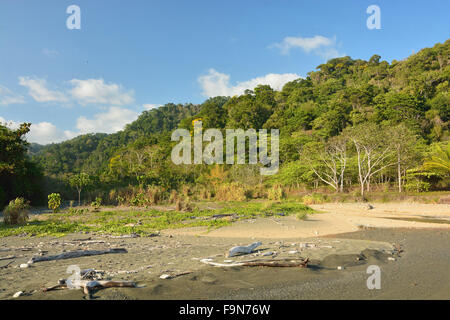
[7,258]
[90,285]
[77,254]
[172,276]
[303,263]
[243,249]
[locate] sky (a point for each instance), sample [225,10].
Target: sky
[131,56]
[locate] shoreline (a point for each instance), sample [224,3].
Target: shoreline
[174,253]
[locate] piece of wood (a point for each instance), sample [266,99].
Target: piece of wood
[7,258]
[90,285]
[6,265]
[261,263]
[243,249]
[77,254]
[279,263]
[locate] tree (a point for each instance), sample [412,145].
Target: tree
[19,177]
[439,162]
[328,161]
[404,142]
[373,151]
[80,181]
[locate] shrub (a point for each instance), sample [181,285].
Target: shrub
[138,200]
[54,202]
[231,192]
[276,193]
[16,212]
[417,185]
[173,196]
[314,198]
[184,205]
[302,215]
[154,194]
[74,211]
[97,204]
[120,200]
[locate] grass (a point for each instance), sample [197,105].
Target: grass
[374,196]
[147,222]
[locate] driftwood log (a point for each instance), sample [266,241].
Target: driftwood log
[76,254]
[243,249]
[7,258]
[6,265]
[302,263]
[91,285]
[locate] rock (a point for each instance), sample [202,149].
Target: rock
[165,276]
[340,268]
[391,259]
[24,265]
[18,294]
[369,206]
[293,252]
[265,254]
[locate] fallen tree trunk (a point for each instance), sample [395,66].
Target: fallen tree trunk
[261,263]
[90,285]
[7,258]
[76,254]
[6,265]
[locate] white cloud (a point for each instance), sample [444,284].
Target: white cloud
[42,132]
[39,91]
[50,53]
[319,45]
[218,84]
[111,121]
[150,106]
[8,97]
[9,123]
[96,91]
[46,132]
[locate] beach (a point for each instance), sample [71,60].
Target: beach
[408,241]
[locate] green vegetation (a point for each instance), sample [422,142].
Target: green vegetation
[350,130]
[19,177]
[147,222]
[54,201]
[16,212]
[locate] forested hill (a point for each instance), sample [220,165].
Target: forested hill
[90,152]
[341,93]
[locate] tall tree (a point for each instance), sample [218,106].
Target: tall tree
[328,160]
[403,141]
[373,151]
[80,181]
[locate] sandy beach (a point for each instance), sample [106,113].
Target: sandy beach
[340,240]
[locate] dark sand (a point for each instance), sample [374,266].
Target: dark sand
[421,271]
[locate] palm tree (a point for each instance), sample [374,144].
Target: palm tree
[439,161]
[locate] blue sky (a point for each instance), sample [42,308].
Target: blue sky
[130,56]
